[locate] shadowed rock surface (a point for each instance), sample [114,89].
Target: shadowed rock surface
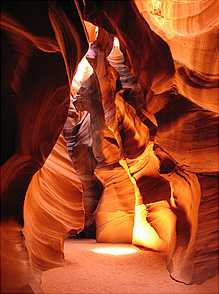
[138,162]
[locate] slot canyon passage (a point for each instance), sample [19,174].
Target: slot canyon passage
[109,138]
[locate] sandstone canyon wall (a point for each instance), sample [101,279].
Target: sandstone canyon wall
[134,158]
[42,42]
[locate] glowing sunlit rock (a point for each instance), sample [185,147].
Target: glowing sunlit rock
[84,70]
[52,209]
[184,76]
[114,215]
[115,250]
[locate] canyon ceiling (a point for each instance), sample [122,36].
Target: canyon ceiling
[109,133]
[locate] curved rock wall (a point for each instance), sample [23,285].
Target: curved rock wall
[52,209]
[151,137]
[181,101]
[39,60]
[191,31]
[114,215]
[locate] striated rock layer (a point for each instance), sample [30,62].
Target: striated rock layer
[181,100]
[52,209]
[191,31]
[114,215]
[133,138]
[141,132]
[42,43]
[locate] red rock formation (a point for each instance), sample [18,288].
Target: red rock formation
[132,138]
[52,209]
[29,42]
[179,117]
[78,134]
[114,216]
[46,41]
[191,31]
[79,142]
[155,144]
[149,68]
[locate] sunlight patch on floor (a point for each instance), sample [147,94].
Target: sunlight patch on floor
[115,250]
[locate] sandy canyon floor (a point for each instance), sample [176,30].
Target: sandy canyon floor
[141,271]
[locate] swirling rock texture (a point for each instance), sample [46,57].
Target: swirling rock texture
[42,44]
[77,132]
[176,83]
[114,215]
[151,141]
[48,219]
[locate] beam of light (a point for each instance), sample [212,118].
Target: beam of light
[84,71]
[115,250]
[116,42]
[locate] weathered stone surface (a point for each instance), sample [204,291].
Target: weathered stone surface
[191,31]
[114,216]
[78,135]
[52,208]
[46,42]
[206,246]
[143,138]
[183,113]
